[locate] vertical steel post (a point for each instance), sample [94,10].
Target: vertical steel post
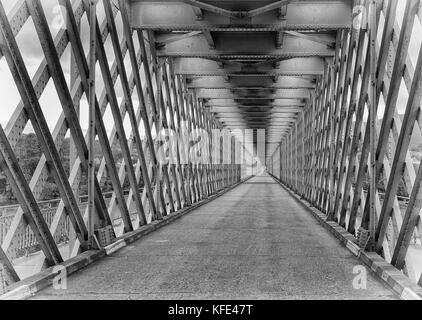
[73,151]
[91,151]
[372,115]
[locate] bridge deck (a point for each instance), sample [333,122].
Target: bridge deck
[254,242]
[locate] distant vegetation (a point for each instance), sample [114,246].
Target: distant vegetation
[29,153]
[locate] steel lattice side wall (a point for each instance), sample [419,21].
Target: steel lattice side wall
[154,99]
[325,157]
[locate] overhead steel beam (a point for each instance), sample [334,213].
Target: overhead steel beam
[209,7]
[312,66]
[278,117]
[302,15]
[231,103]
[257,120]
[284,109]
[267,94]
[247,45]
[167,39]
[242,99]
[272,6]
[258,114]
[283,82]
[315,38]
[235,14]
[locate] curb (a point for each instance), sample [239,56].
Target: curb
[29,287]
[386,272]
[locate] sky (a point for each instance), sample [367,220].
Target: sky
[414,48]
[33,55]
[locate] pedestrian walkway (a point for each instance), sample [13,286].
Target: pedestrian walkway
[255,242]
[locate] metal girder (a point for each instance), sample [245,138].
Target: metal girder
[283,82]
[233,104]
[255,126]
[166,39]
[302,15]
[268,7]
[254,116]
[257,120]
[209,7]
[312,66]
[318,38]
[277,94]
[286,108]
[235,14]
[248,44]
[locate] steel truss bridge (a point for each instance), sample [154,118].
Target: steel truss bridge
[334,86]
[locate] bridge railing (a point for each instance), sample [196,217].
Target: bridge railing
[26,241]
